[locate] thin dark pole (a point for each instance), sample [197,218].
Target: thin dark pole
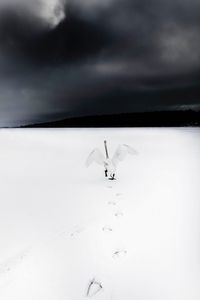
[106,149]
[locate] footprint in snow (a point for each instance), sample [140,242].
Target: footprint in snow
[13,262]
[119,253]
[119,214]
[76,232]
[112,203]
[107,229]
[119,194]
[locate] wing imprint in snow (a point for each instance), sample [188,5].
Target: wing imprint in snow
[94,287]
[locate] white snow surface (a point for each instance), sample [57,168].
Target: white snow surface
[63,225]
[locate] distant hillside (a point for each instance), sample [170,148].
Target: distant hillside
[147,119]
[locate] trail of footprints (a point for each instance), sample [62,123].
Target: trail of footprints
[94,285]
[118,214]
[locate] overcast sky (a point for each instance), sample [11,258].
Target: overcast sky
[82,57]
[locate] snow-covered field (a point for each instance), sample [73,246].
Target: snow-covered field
[62,225]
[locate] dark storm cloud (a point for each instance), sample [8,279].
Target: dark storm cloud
[33,40]
[98,57]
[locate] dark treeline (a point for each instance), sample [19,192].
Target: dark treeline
[148,119]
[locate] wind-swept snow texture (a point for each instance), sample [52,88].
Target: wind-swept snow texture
[66,233]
